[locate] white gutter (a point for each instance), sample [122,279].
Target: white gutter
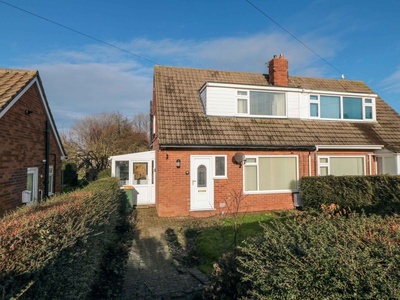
[350,147]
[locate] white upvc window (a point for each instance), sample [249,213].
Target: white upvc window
[333,107]
[261,103]
[220,166]
[242,102]
[51,181]
[271,174]
[122,171]
[387,165]
[341,165]
[368,109]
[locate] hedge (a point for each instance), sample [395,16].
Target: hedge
[374,194]
[315,257]
[54,250]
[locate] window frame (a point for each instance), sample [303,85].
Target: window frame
[139,181]
[248,99]
[215,176]
[328,164]
[51,181]
[256,163]
[365,102]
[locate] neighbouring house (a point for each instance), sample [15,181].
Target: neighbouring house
[31,151]
[220,133]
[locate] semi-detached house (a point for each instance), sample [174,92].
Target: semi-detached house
[218,133]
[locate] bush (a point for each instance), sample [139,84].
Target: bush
[70,175]
[373,194]
[54,250]
[106,173]
[324,257]
[226,282]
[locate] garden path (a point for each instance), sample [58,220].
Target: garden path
[151,271]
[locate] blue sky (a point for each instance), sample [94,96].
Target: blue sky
[359,38]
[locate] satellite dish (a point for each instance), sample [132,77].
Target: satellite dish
[239,157]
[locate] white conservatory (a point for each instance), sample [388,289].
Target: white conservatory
[136,172]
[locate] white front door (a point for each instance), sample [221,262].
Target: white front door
[202,183]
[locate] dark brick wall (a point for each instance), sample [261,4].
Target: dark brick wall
[22,145]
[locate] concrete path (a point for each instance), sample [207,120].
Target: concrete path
[151,272]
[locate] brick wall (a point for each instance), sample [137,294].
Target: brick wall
[22,146]
[173,184]
[279,71]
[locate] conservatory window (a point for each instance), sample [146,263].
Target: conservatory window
[122,172]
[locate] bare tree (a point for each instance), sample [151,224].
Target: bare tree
[141,122]
[93,139]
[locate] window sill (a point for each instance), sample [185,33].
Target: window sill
[270,192]
[204,209]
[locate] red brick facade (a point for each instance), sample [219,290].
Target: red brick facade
[23,144]
[173,184]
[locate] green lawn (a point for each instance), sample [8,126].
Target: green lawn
[213,242]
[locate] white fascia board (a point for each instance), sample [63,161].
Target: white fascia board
[350,147]
[16,98]
[336,93]
[249,87]
[283,89]
[146,155]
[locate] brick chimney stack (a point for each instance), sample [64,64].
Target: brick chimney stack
[278,71]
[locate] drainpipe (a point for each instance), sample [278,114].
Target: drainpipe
[316,161]
[370,163]
[47,164]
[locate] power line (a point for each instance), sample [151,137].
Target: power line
[293,36]
[79,32]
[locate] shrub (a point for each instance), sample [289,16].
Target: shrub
[226,282]
[54,250]
[70,174]
[375,194]
[106,173]
[324,257]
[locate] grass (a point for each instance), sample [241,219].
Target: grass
[213,242]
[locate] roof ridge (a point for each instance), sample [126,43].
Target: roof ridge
[246,72]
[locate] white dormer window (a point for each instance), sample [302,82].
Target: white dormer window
[341,107]
[253,101]
[260,103]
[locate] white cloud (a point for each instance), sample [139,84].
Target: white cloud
[392,82]
[249,53]
[96,78]
[77,90]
